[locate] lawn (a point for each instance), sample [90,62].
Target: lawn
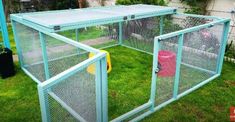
[129,84]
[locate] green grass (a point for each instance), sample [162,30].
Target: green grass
[89,33]
[129,80]
[129,84]
[18,99]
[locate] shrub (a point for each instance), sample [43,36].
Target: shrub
[197,6]
[129,2]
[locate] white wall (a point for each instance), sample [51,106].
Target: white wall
[223,8]
[94,3]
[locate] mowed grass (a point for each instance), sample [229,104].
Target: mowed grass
[129,81]
[129,84]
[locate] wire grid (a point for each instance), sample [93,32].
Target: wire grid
[79,93]
[200,56]
[198,63]
[30,49]
[96,36]
[139,34]
[174,23]
[58,113]
[62,56]
[165,84]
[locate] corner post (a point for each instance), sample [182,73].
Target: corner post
[222,47]
[16,38]
[98,87]
[120,33]
[161,24]
[44,55]
[77,35]
[43,100]
[178,63]
[154,75]
[104,87]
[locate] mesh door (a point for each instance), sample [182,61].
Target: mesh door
[165,82]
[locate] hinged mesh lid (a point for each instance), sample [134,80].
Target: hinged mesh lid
[72,17]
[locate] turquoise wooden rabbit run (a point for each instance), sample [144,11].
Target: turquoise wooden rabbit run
[58,62]
[3,28]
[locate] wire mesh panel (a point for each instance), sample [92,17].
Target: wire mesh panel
[167,57]
[74,98]
[174,23]
[200,56]
[30,50]
[58,113]
[95,36]
[139,34]
[61,56]
[70,18]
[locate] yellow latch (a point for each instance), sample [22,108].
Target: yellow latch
[91,68]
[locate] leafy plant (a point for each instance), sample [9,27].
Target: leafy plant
[197,6]
[2,49]
[129,2]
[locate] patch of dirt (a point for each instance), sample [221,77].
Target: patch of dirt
[230,82]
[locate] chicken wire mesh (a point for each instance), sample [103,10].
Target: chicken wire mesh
[61,56]
[139,34]
[174,23]
[200,56]
[77,93]
[72,17]
[96,36]
[57,112]
[30,50]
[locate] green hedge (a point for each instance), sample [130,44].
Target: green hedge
[197,6]
[129,2]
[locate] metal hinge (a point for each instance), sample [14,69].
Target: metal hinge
[125,18]
[158,69]
[56,28]
[132,16]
